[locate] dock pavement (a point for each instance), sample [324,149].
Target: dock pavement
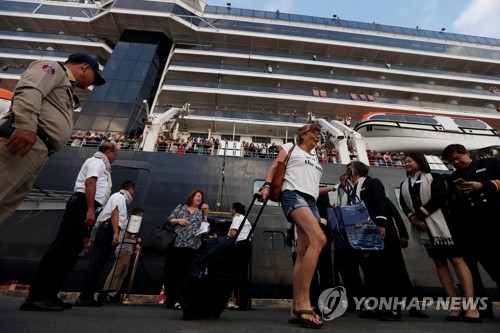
[266,316]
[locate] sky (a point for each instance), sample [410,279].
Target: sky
[469,17]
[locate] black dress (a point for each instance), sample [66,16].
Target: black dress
[437,201]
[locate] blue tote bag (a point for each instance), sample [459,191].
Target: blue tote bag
[353,229]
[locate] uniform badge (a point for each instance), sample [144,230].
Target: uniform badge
[49,69]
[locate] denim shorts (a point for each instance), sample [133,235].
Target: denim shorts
[291,200]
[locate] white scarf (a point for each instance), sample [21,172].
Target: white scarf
[128,197]
[107,171]
[435,222]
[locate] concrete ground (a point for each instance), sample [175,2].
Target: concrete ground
[266,316]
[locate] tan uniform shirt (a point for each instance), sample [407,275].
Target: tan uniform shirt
[43,99]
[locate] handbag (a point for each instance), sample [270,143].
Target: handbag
[353,229]
[160,239]
[279,177]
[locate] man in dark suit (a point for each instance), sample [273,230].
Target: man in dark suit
[375,265]
[474,190]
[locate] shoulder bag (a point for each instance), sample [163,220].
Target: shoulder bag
[161,238]
[278,178]
[353,229]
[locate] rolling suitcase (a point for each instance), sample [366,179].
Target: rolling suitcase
[214,274]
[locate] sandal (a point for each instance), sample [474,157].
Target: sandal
[305,321]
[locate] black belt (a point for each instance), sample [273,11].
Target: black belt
[107,224]
[6,130]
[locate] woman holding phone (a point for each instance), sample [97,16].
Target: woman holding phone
[423,197]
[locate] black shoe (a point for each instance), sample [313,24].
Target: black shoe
[239,308]
[471,319]
[418,314]
[64,304]
[117,298]
[40,305]
[369,314]
[89,303]
[456,318]
[101,297]
[391,316]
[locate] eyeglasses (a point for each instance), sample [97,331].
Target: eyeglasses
[315,133]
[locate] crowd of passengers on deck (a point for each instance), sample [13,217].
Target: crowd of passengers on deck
[211,146]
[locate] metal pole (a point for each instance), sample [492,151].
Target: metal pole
[221,187]
[132,276]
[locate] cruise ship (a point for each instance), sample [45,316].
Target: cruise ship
[185,69]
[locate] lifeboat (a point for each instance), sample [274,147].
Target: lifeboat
[424,133]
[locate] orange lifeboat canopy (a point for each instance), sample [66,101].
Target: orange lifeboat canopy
[5,94]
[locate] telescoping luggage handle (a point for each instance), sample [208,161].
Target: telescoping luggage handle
[255,197]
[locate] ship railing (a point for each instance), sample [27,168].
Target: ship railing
[97,3]
[395,162]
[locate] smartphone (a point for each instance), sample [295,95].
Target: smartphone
[458,181]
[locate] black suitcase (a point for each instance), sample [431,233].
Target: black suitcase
[214,274]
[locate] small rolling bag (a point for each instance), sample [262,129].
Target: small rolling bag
[214,274]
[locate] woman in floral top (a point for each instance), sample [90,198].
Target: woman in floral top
[186,218]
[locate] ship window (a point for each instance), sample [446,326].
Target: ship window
[395,117]
[257,184]
[117,124]
[199,135]
[413,119]
[230,137]
[123,109]
[379,117]
[247,12]
[84,121]
[101,123]
[105,109]
[258,139]
[273,240]
[429,120]
[472,123]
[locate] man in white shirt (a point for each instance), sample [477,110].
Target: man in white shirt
[242,292]
[92,190]
[238,211]
[112,219]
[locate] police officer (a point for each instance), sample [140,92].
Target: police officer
[39,122]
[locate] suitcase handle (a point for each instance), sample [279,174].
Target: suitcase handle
[255,197]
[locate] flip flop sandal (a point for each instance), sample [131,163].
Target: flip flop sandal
[304,322]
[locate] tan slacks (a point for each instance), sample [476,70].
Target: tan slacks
[17,176]
[119,272]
